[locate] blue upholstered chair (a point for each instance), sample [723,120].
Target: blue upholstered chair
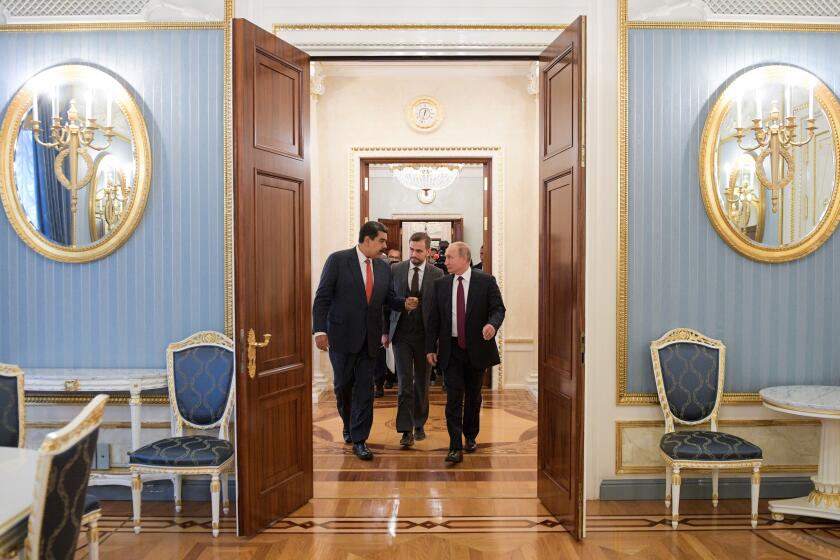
[689,370]
[12,419]
[200,371]
[62,472]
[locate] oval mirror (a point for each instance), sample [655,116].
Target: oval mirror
[75,163]
[769,169]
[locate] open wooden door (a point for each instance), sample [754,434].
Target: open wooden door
[562,188]
[271,240]
[394,234]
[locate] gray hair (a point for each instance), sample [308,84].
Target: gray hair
[463,249]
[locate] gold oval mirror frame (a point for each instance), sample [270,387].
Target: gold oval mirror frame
[769,174]
[72,139]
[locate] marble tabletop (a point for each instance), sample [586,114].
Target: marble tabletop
[17,471]
[820,399]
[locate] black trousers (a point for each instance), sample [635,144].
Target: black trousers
[413,373]
[380,369]
[353,381]
[463,397]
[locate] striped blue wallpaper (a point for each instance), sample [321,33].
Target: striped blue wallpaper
[167,281]
[781,323]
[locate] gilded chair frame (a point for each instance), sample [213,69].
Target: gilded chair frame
[219,474]
[673,467]
[54,444]
[11,370]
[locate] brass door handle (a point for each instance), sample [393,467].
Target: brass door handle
[252,351]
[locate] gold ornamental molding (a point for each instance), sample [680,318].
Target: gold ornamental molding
[620,425]
[623,397]
[60,397]
[115,26]
[280,27]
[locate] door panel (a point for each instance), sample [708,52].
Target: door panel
[272,293]
[562,244]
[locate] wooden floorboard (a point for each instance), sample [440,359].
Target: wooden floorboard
[410,504]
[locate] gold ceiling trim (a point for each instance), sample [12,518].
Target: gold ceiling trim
[620,425]
[623,397]
[115,26]
[278,27]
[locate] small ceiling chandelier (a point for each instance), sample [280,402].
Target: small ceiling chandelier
[427,178]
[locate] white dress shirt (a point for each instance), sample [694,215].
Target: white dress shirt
[411,273]
[466,276]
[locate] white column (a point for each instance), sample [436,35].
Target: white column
[134,406]
[827,480]
[317,88]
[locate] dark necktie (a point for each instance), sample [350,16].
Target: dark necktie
[462,315]
[415,281]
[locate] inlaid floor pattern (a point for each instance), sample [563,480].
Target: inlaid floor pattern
[410,504]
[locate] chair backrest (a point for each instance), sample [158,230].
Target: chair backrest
[200,370]
[12,406]
[61,481]
[689,369]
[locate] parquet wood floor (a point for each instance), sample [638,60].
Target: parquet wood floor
[409,504]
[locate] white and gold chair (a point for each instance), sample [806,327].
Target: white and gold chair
[61,479]
[12,407]
[200,371]
[689,370]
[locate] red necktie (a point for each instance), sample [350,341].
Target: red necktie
[461,315]
[368,281]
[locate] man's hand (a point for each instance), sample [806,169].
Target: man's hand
[385,340]
[411,303]
[488,332]
[322,342]
[431,358]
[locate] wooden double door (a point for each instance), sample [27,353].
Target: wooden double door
[272,277]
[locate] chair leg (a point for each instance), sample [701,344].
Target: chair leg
[715,479]
[176,490]
[215,487]
[675,497]
[667,486]
[756,485]
[136,491]
[225,502]
[93,539]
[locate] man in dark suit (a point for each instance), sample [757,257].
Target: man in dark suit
[414,277]
[460,337]
[348,320]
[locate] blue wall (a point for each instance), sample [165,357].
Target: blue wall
[167,281]
[784,328]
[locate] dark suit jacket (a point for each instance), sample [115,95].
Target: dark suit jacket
[484,306]
[399,275]
[341,309]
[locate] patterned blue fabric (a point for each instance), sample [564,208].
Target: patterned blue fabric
[9,422]
[186,451]
[690,374]
[707,446]
[65,500]
[203,377]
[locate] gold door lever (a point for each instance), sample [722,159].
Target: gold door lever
[252,351]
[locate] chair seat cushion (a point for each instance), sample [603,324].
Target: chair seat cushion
[91,504]
[707,446]
[185,451]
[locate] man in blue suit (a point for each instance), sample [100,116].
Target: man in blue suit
[349,321]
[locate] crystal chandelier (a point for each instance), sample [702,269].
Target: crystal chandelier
[426,179]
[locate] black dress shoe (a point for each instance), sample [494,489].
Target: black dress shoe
[419,434]
[407,439]
[455,456]
[347,438]
[379,392]
[470,446]
[362,452]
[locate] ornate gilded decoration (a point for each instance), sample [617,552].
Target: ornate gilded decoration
[776,142]
[71,385]
[74,139]
[252,351]
[827,499]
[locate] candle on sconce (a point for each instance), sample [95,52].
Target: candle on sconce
[88,105]
[55,101]
[788,107]
[811,100]
[758,104]
[738,110]
[35,105]
[110,102]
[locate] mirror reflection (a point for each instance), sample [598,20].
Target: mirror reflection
[775,156]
